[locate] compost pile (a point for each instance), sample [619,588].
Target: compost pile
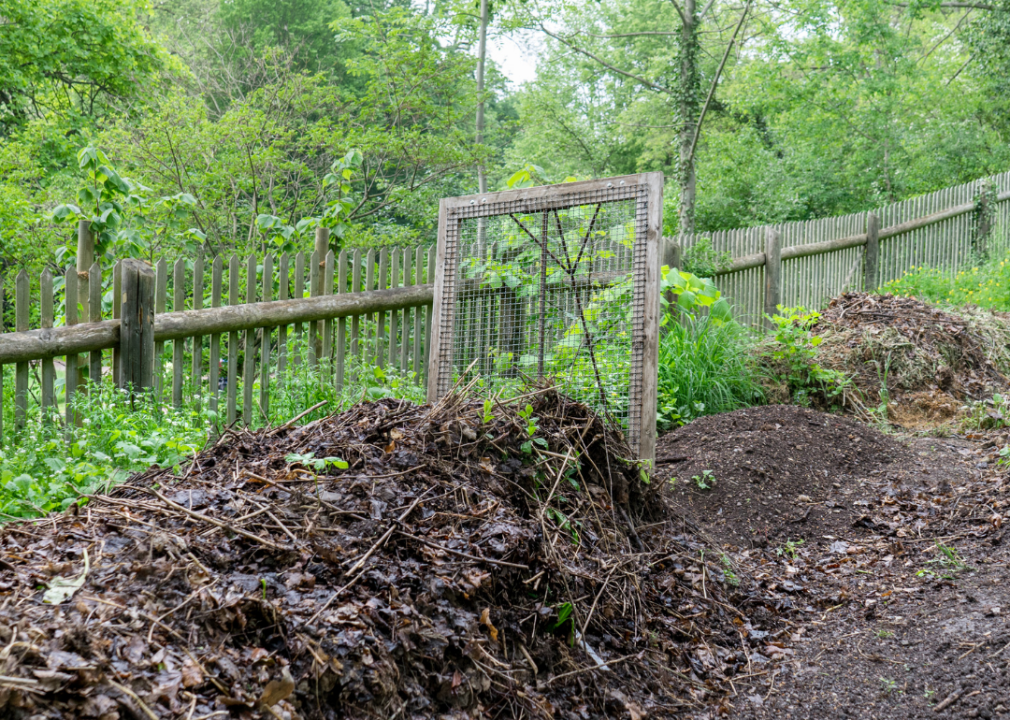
[909,346]
[756,476]
[391,561]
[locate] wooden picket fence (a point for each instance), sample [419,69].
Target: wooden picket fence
[380,317]
[818,259]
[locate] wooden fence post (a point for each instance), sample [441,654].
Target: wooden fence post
[320,248]
[136,334]
[773,273]
[95,315]
[871,265]
[671,258]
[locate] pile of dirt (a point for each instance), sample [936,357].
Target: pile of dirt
[391,561]
[753,476]
[930,361]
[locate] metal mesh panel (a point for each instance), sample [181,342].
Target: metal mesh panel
[548,287]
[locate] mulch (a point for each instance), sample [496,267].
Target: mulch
[391,561]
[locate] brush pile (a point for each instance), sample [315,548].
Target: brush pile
[459,561]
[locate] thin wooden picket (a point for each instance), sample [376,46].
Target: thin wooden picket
[48,367]
[249,364]
[117,312]
[314,286]
[356,320]
[427,317]
[342,322]
[296,356]
[282,331]
[197,366]
[394,316]
[95,315]
[406,324]
[160,297]
[214,369]
[327,344]
[265,339]
[418,273]
[22,301]
[70,379]
[178,346]
[369,322]
[232,377]
[380,327]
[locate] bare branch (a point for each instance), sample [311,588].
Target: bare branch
[715,81]
[972,6]
[680,12]
[604,63]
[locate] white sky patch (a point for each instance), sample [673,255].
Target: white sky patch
[516,54]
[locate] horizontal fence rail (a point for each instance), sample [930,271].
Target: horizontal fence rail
[223,333]
[818,259]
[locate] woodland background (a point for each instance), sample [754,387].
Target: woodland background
[239,125]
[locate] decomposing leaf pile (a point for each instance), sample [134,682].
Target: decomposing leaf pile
[462,560]
[907,346]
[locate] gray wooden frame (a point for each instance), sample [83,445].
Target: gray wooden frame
[557,197]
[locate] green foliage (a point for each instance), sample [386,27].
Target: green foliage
[986,284]
[705,261]
[43,470]
[794,347]
[706,364]
[989,414]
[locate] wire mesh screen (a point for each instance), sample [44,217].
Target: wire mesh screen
[548,285]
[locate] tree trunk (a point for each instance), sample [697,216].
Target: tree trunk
[689,108]
[481,56]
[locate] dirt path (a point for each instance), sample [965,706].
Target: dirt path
[890,547]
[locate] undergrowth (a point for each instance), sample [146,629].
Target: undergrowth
[706,364]
[986,284]
[47,466]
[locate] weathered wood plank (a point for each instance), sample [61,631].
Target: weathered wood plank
[196,372]
[871,259]
[342,322]
[327,344]
[160,299]
[95,315]
[17,347]
[117,313]
[773,274]
[428,312]
[356,320]
[71,374]
[137,328]
[178,346]
[214,368]
[282,331]
[394,317]
[405,331]
[48,368]
[233,338]
[296,356]
[249,358]
[418,314]
[380,328]
[22,302]
[268,295]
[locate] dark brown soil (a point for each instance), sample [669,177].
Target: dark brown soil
[897,573]
[771,470]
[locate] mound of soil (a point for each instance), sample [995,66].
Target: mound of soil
[391,561]
[770,468]
[912,348]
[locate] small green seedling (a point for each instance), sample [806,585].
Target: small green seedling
[488,415]
[531,422]
[310,460]
[888,685]
[790,549]
[705,481]
[883,634]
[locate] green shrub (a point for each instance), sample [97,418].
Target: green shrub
[792,349]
